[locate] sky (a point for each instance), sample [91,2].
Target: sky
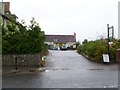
[87,18]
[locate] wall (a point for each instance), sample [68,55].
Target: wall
[1,8]
[1,12]
[70,43]
[23,60]
[118,55]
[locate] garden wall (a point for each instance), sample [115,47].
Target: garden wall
[22,60]
[118,55]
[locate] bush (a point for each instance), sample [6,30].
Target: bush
[23,39]
[95,49]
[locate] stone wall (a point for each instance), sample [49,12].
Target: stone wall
[22,60]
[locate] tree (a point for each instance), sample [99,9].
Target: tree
[85,41]
[23,39]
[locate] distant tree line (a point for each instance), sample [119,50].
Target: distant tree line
[22,39]
[95,49]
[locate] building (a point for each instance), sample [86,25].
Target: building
[57,41]
[5,7]
[1,13]
[119,20]
[5,10]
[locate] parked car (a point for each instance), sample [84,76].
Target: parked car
[64,48]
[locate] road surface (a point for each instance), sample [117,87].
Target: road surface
[65,69]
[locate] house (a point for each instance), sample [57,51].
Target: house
[5,8]
[1,13]
[5,13]
[57,41]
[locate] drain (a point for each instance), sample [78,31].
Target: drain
[32,70]
[64,69]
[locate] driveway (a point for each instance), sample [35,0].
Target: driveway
[66,69]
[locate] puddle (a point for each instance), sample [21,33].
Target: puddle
[64,69]
[96,69]
[56,69]
[113,69]
[47,70]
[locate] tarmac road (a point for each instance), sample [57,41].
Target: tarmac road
[65,69]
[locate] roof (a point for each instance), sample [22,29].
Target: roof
[60,38]
[5,17]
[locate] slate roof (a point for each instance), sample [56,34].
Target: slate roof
[60,38]
[5,17]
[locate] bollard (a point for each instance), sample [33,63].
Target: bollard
[16,62]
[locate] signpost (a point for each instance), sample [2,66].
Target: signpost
[110,37]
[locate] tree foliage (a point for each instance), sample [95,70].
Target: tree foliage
[21,39]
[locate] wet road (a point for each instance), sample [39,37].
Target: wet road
[66,69]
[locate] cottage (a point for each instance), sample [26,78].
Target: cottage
[57,41]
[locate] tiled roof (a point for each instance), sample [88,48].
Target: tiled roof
[60,38]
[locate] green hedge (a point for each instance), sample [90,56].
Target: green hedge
[95,49]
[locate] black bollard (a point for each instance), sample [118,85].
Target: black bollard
[16,62]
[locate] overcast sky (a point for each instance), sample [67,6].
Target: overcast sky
[87,18]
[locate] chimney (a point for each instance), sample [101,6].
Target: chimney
[74,34]
[6,7]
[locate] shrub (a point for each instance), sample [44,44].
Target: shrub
[21,39]
[95,49]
